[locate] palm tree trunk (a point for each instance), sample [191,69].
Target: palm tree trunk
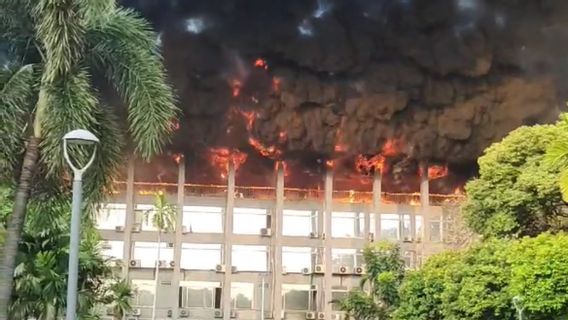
[154,304]
[16,223]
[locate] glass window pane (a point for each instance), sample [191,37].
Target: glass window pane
[343,257]
[242,295]
[200,256]
[111,215]
[147,253]
[203,219]
[198,294]
[296,297]
[419,228]
[248,220]
[435,231]
[144,292]
[390,225]
[345,224]
[112,249]
[294,259]
[297,222]
[337,295]
[249,258]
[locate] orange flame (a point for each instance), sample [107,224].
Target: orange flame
[414,202]
[249,116]
[261,63]
[222,157]
[390,148]
[236,85]
[329,163]
[437,172]
[284,166]
[282,136]
[269,152]
[366,165]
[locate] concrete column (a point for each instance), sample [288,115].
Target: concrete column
[127,249]
[376,205]
[277,244]
[327,212]
[425,203]
[228,231]
[178,231]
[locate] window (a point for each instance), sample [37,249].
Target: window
[112,249]
[298,297]
[249,220]
[436,231]
[338,293]
[200,294]
[372,223]
[200,256]
[346,224]
[203,219]
[147,253]
[390,226]
[144,292]
[249,258]
[419,228]
[346,257]
[242,294]
[111,215]
[144,214]
[298,222]
[294,259]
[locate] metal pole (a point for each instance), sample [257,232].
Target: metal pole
[262,299]
[75,237]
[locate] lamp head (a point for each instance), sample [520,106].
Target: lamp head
[80,136]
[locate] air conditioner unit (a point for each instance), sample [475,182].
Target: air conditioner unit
[110,311]
[371,237]
[306,271]
[284,271]
[319,268]
[170,313]
[184,230]
[314,235]
[218,313]
[162,264]
[266,232]
[183,313]
[336,316]
[234,269]
[135,263]
[136,312]
[172,264]
[137,227]
[358,270]
[268,315]
[170,244]
[310,315]
[343,270]
[321,315]
[220,268]
[233,314]
[119,228]
[407,239]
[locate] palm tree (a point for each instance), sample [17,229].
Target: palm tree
[163,217]
[56,48]
[119,298]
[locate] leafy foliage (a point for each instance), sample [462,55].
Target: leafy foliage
[480,283]
[516,193]
[377,296]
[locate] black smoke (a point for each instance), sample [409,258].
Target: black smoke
[442,78]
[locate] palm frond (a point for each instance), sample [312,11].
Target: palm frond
[124,47]
[92,10]
[16,92]
[557,153]
[61,32]
[563,183]
[69,104]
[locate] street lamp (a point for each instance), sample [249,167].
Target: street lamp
[76,137]
[518,304]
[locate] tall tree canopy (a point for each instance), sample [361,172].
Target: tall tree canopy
[517,193]
[55,50]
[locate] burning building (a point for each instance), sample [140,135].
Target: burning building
[310,128]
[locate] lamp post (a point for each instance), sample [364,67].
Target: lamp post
[517,303]
[76,137]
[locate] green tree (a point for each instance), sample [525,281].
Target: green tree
[516,193]
[162,217]
[479,283]
[377,296]
[56,49]
[119,295]
[557,155]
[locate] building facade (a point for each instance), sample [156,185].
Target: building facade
[259,253]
